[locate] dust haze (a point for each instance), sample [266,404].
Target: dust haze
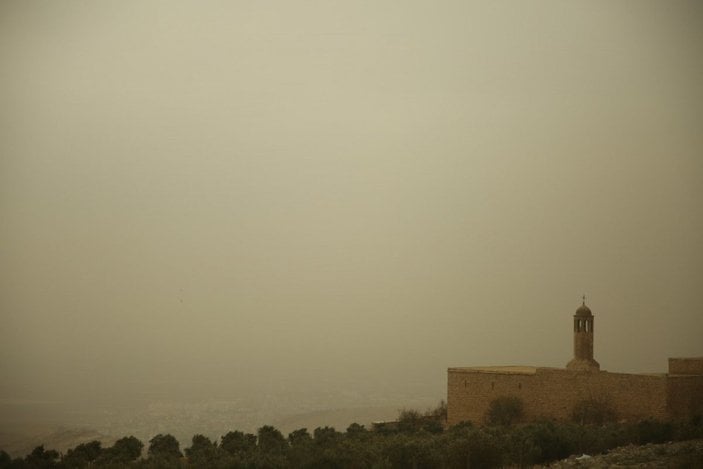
[280,208]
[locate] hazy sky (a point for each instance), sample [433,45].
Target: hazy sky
[274,193]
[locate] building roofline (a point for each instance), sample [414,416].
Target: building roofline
[532,370]
[506,370]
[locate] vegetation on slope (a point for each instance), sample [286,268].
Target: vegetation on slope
[415,440]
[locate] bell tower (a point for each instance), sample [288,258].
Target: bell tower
[583,340]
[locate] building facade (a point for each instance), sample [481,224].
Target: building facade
[553,393]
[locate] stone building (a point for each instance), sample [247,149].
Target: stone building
[554,392]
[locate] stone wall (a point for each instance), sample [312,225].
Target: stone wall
[552,392]
[686,366]
[685,396]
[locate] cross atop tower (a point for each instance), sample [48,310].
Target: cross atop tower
[584,299]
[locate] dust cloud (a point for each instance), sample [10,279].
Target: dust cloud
[268,210]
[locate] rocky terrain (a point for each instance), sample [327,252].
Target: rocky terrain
[683,454]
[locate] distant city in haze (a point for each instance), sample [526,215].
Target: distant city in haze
[217,216]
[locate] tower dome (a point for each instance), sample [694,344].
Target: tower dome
[584,310]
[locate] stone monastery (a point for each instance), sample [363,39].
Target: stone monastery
[553,393]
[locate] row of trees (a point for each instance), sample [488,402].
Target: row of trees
[414,441]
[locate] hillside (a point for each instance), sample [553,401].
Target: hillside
[682,454]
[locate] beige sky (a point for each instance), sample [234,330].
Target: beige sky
[259,191]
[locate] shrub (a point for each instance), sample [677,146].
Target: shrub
[549,441]
[432,421]
[477,448]
[653,431]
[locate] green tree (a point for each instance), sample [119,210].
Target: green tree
[41,458]
[164,451]
[271,449]
[432,420]
[271,440]
[326,436]
[164,446]
[409,420]
[403,451]
[356,430]
[301,448]
[204,453]
[83,454]
[299,438]
[238,443]
[504,410]
[475,447]
[549,441]
[5,459]
[439,413]
[124,450]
